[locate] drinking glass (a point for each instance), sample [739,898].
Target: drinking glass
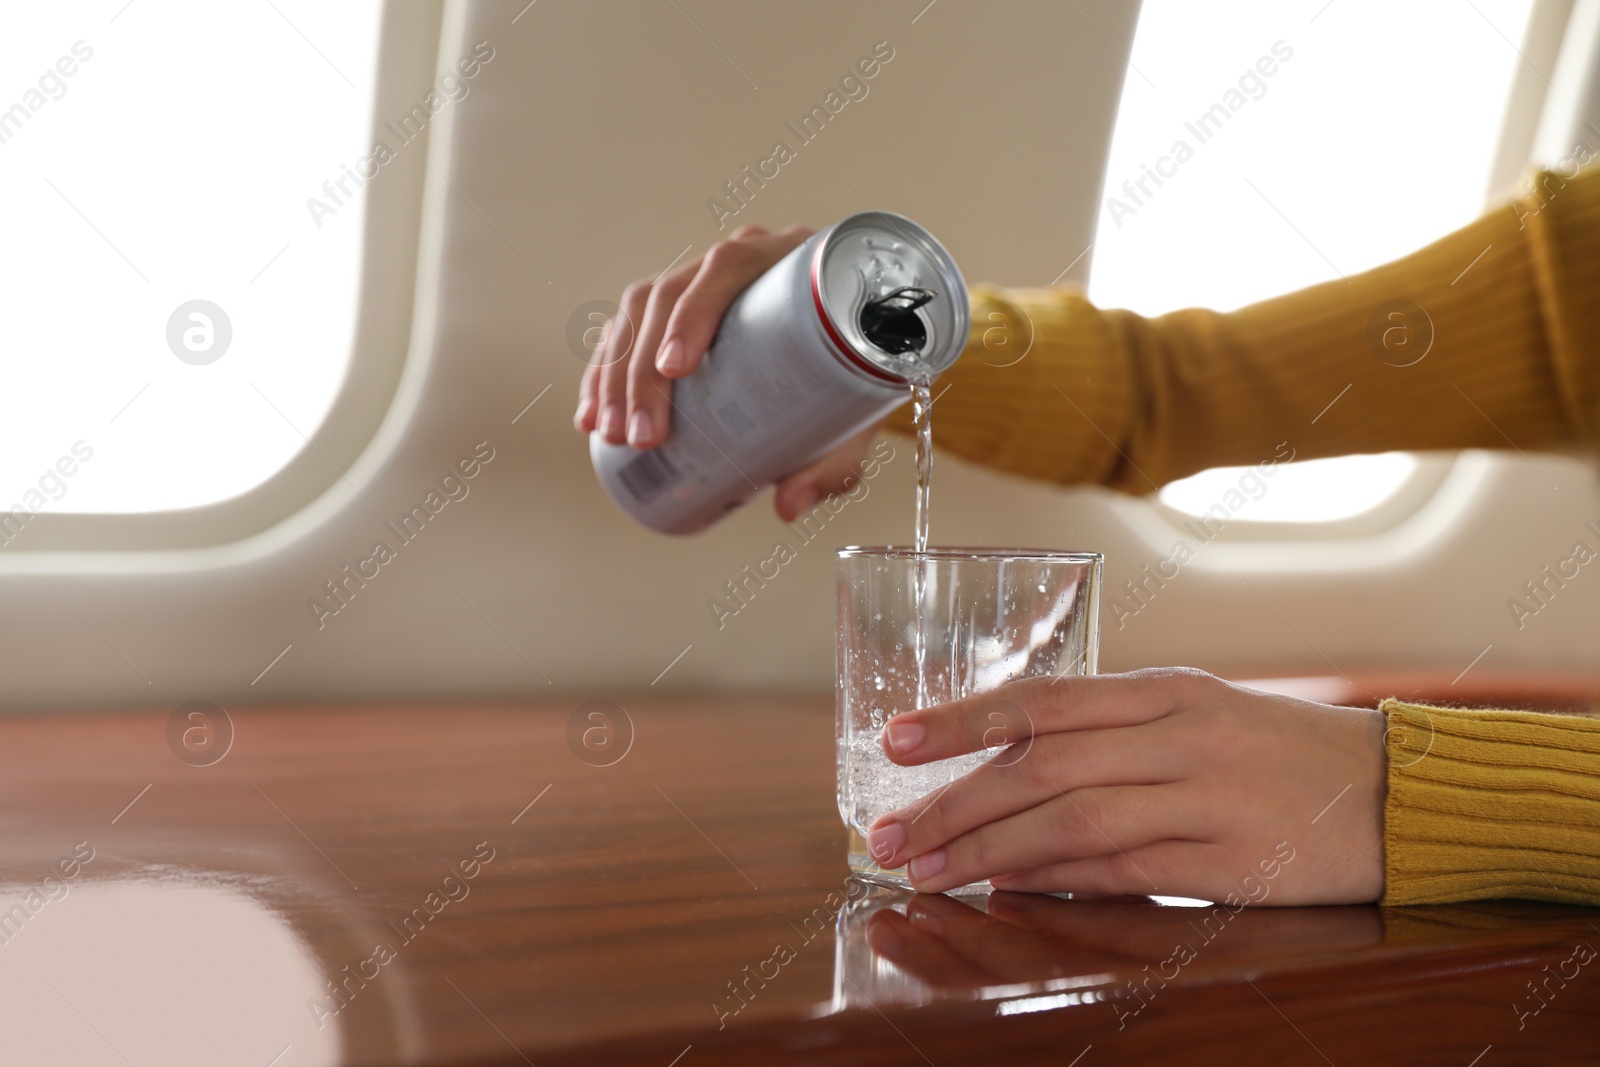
[921,629]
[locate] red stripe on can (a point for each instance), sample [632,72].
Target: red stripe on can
[841,349]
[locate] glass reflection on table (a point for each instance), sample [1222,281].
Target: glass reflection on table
[1031,952]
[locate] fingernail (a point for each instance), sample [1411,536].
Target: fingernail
[927,865]
[611,422]
[585,406]
[670,359]
[885,841]
[904,736]
[640,428]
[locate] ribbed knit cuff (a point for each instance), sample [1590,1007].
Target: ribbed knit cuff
[1042,390]
[1490,804]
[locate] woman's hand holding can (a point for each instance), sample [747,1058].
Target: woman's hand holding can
[661,332]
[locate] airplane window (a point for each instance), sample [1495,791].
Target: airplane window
[1316,490]
[183,242]
[1313,167]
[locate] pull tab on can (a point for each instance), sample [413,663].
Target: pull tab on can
[891,323]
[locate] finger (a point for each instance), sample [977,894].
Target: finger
[1081,825]
[1153,868]
[587,416]
[589,388]
[1032,706]
[1021,777]
[619,326]
[836,472]
[620,346]
[649,404]
[727,270]
[649,394]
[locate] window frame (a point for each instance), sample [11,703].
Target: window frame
[382,351]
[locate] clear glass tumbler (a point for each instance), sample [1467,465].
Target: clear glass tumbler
[917,630]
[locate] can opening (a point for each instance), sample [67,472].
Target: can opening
[891,322]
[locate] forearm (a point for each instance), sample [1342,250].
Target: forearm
[1502,353]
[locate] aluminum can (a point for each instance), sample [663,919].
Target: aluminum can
[824,344]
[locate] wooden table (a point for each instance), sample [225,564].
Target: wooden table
[490,885]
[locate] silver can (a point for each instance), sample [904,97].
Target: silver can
[821,346]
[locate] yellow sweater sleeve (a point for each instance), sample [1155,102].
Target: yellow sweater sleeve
[1490,804]
[1488,338]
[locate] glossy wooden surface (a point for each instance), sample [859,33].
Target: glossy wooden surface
[619,903]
